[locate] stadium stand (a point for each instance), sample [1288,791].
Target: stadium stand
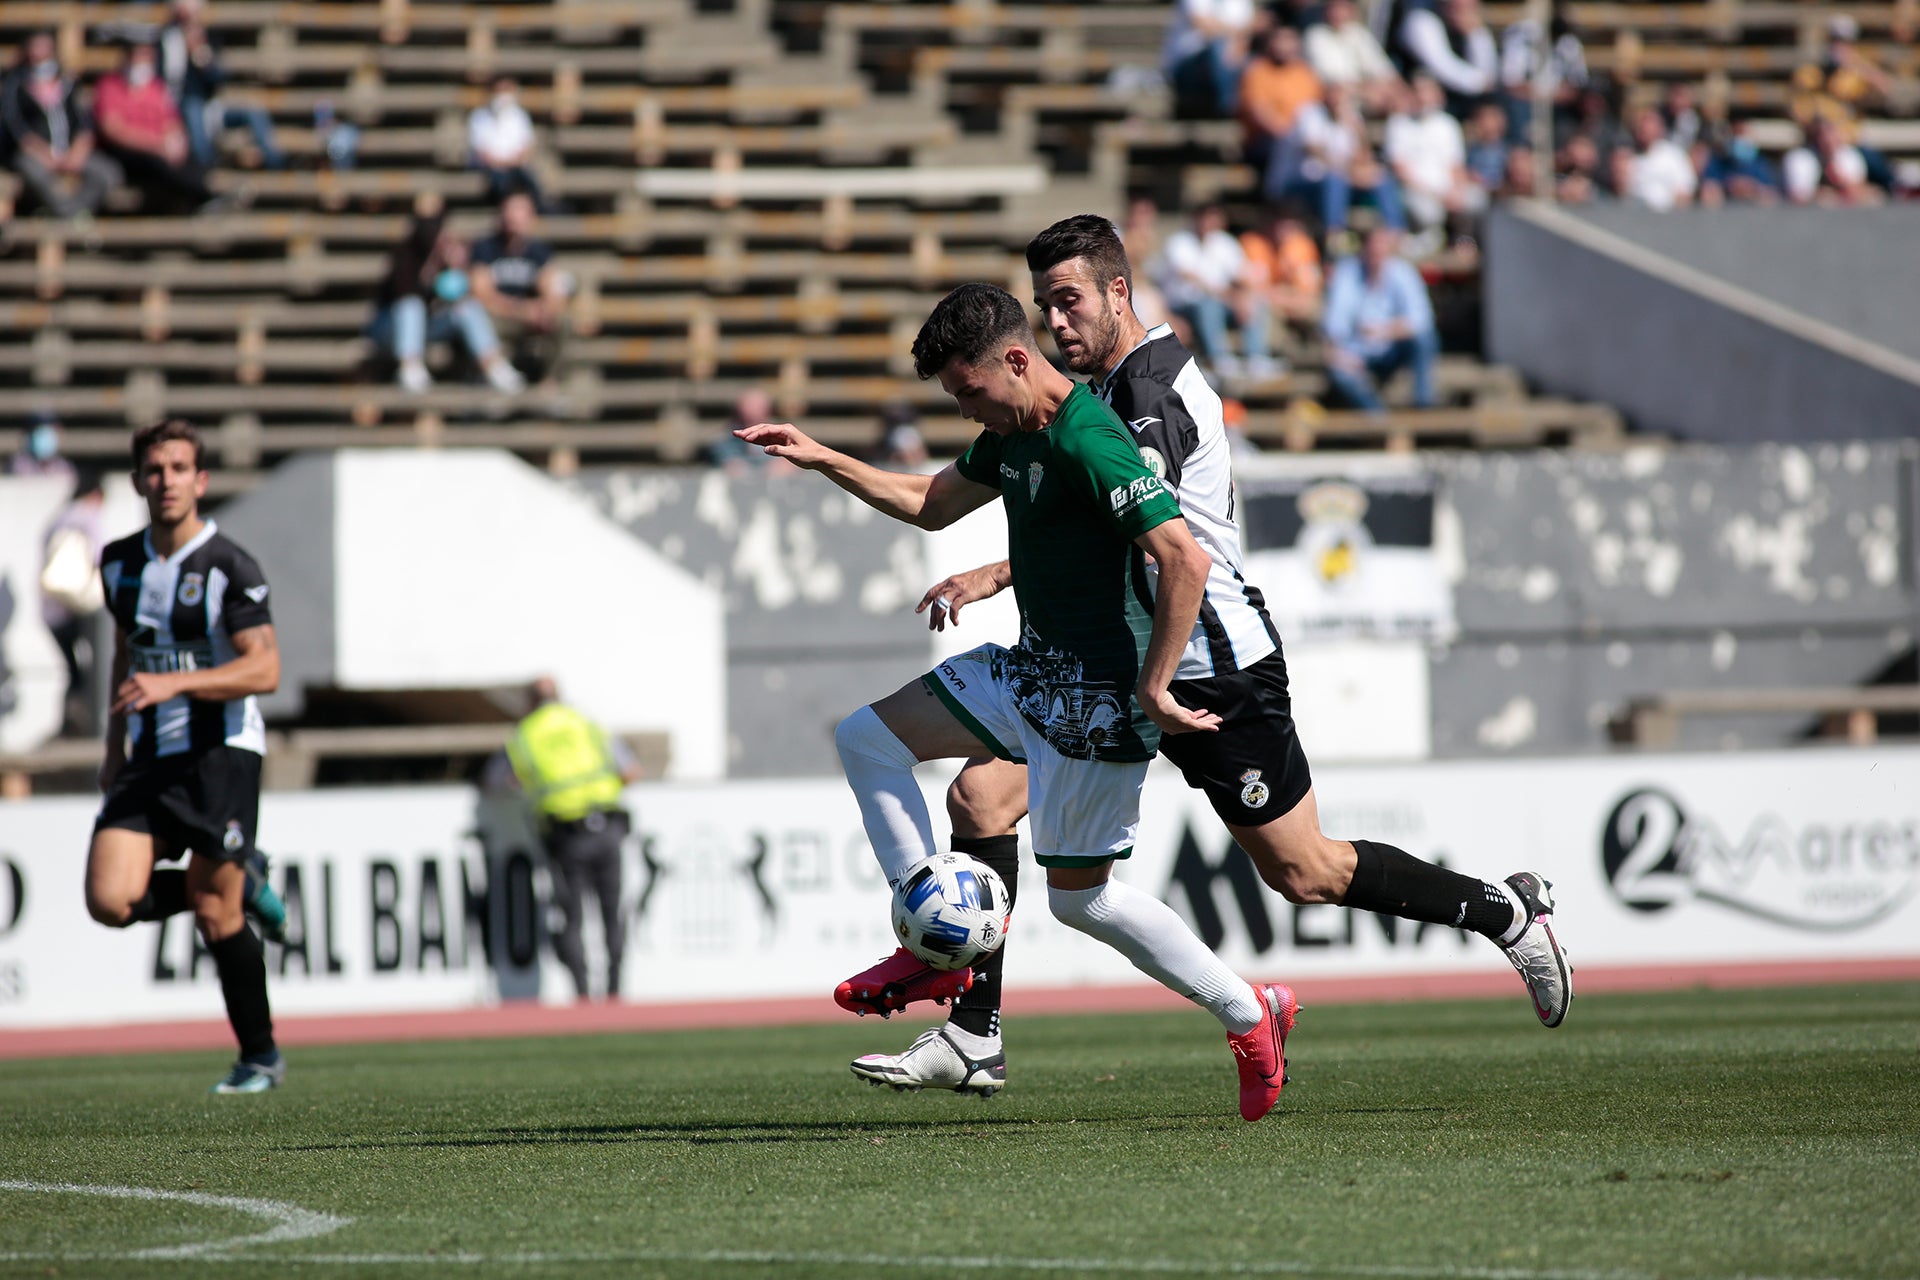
[771,194]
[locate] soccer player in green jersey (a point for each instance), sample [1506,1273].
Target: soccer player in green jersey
[1083,698]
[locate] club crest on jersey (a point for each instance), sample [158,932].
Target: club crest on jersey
[1035,474]
[1254,793]
[235,840]
[193,588]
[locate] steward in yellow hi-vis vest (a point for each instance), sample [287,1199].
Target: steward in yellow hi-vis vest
[574,774]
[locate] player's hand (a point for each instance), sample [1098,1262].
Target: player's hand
[145,689]
[1174,718]
[784,440]
[944,599]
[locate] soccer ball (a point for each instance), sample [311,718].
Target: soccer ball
[950,910]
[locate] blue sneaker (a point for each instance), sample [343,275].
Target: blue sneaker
[252,1077]
[261,902]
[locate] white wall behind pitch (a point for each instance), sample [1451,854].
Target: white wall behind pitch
[470,568]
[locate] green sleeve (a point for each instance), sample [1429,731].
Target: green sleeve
[981,462]
[1106,465]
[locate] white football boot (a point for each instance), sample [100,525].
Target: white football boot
[936,1061]
[1537,954]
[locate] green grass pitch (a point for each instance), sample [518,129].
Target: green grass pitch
[1697,1134]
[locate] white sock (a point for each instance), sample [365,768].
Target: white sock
[1520,917]
[974,1046]
[1152,935]
[879,768]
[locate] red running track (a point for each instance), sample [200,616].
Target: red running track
[526,1018]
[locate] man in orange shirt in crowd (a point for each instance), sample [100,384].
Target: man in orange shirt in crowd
[1283,265]
[138,121]
[1273,89]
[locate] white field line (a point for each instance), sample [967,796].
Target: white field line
[294,1223]
[290,1222]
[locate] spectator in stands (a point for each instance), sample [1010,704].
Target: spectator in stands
[1737,172]
[1454,45]
[1206,52]
[140,126]
[1428,153]
[1845,82]
[516,279]
[1204,277]
[1379,320]
[190,64]
[500,138]
[425,298]
[733,455]
[1329,160]
[1577,171]
[1597,117]
[1341,50]
[1681,112]
[1662,175]
[39,453]
[1526,59]
[71,594]
[1487,148]
[900,447]
[1519,181]
[1277,84]
[51,135]
[1827,169]
[1140,233]
[1283,265]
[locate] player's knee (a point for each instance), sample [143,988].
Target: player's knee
[1303,872]
[113,914]
[1077,908]
[215,917]
[865,736]
[978,807]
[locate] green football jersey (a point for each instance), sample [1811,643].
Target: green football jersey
[1077,494]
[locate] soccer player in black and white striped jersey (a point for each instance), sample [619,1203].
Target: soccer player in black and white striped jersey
[1253,769]
[194,645]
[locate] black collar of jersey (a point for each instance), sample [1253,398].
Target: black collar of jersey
[1158,356]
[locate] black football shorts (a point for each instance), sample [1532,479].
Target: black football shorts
[1253,769]
[207,802]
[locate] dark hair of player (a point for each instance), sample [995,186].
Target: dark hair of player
[973,321]
[161,432]
[1086,236]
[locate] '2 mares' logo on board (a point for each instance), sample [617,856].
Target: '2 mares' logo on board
[1824,877]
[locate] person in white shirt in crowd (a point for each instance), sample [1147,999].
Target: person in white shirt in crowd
[1204,277]
[1328,160]
[1341,50]
[1662,175]
[500,140]
[1557,57]
[1827,169]
[1428,154]
[1205,51]
[1454,45]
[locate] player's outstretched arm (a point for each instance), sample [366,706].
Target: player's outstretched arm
[1176,604]
[946,597]
[931,502]
[254,669]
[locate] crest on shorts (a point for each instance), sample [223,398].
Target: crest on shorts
[1035,474]
[235,840]
[193,588]
[1254,793]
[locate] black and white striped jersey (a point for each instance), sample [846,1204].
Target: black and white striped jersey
[1177,419]
[179,613]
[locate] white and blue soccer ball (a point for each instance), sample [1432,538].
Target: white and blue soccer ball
[950,910]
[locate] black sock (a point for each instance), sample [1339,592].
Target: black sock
[1395,883]
[243,981]
[978,1011]
[166,895]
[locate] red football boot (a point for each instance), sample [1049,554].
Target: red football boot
[1261,1054]
[897,982]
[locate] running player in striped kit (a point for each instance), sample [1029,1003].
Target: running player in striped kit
[194,645]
